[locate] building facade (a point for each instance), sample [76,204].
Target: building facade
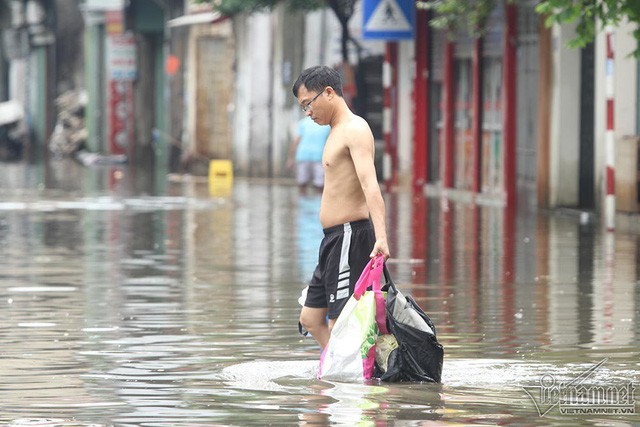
[517,117]
[28,74]
[512,118]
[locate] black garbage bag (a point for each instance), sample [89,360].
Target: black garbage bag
[413,352]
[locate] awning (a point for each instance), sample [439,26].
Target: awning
[196,18]
[10,112]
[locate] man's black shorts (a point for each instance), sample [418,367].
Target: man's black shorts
[344,252]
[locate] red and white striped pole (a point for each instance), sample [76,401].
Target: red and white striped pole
[610,198]
[386,114]
[389,109]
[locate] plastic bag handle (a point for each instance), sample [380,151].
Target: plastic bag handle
[388,281]
[370,276]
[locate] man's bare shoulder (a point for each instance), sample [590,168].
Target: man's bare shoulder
[357,130]
[358,123]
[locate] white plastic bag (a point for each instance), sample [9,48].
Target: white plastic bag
[350,353]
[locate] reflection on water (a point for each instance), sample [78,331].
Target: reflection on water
[128,305]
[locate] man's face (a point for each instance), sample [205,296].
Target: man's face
[313,104]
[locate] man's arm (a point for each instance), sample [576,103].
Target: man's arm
[361,146]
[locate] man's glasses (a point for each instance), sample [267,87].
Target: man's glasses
[307,106]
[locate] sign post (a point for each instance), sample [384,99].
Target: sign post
[389,20]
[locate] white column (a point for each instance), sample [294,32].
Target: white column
[565,119]
[406,72]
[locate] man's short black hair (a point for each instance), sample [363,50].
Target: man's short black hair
[317,78]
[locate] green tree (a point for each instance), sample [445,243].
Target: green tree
[473,15]
[343,9]
[586,13]
[233,7]
[455,15]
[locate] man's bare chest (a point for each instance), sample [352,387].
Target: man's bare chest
[334,155]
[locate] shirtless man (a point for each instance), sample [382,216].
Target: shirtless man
[351,201]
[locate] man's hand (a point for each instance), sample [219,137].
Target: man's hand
[380,248]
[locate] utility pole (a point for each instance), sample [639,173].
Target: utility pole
[610,198]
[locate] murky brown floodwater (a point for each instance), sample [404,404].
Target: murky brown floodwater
[128,302]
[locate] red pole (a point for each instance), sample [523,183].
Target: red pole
[509,105]
[508,270]
[476,112]
[421,101]
[475,263]
[448,119]
[446,243]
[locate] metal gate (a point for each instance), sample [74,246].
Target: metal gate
[492,138]
[527,95]
[463,113]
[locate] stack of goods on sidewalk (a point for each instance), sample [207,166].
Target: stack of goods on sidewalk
[70,133]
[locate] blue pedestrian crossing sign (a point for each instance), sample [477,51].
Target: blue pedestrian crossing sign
[388,19]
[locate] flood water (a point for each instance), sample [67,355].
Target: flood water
[129,301]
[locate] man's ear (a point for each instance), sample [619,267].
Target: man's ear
[330,91]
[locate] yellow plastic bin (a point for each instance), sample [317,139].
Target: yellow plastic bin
[220,177]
